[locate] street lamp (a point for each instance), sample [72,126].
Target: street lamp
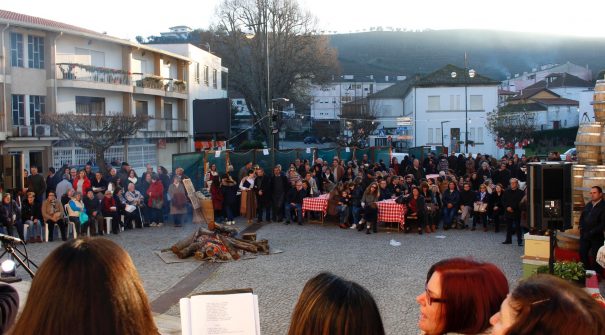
[442,143]
[467,74]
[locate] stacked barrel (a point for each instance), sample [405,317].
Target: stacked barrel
[590,169]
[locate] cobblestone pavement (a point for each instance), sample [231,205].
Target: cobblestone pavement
[394,275]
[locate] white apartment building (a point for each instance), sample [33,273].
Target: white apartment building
[521,81]
[327,100]
[439,103]
[207,78]
[52,67]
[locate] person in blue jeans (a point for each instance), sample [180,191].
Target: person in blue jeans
[356,192]
[343,208]
[451,202]
[294,200]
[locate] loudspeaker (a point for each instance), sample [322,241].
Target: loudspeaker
[211,119]
[549,195]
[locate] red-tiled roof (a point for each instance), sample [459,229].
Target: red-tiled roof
[505,92]
[33,20]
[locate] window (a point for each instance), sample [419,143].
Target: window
[476,102]
[95,58]
[141,108]
[346,98]
[168,116]
[430,136]
[90,105]
[16,50]
[471,134]
[36,109]
[35,49]
[454,102]
[197,73]
[434,104]
[206,73]
[480,135]
[437,134]
[214,78]
[18,110]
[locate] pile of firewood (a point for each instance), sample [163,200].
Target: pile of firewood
[219,244]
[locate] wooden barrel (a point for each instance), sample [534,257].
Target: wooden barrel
[577,177]
[588,143]
[575,219]
[593,176]
[569,240]
[599,101]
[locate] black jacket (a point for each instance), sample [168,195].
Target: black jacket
[467,198]
[263,184]
[279,186]
[7,211]
[592,221]
[512,198]
[296,196]
[31,211]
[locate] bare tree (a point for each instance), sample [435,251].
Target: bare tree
[511,125]
[96,132]
[359,117]
[297,55]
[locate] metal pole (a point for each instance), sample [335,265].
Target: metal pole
[269,106]
[465,113]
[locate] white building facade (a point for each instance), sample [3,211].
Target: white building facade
[522,81]
[51,67]
[444,110]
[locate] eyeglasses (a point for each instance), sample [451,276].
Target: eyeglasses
[430,300]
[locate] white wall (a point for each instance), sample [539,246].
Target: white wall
[66,51]
[66,99]
[453,111]
[387,111]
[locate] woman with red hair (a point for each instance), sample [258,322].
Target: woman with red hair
[81,183]
[460,296]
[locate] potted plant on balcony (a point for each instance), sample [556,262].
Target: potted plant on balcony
[180,86]
[155,82]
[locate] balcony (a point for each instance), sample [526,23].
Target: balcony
[93,77]
[162,128]
[156,85]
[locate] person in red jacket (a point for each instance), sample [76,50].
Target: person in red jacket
[110,209]
[81,183]
[155,202]
[217,198]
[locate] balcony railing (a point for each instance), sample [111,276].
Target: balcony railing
[159,83]
[89,73]
[82,72]
[166,125]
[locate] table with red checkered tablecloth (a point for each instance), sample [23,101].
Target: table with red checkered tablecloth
[317,204]
[390,211]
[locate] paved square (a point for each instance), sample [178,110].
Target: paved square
[394,275]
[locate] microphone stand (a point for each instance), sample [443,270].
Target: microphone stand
[10,249]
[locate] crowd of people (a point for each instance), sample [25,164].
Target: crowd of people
[455,191]
[85,200]
[79,290]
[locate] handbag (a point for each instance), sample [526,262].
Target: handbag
[480,207]
[157,203]
[83,217]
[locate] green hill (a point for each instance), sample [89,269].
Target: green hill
[496,54]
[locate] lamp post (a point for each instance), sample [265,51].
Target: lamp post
[442,143]
[467,74]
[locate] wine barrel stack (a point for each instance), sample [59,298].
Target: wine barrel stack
[590,169]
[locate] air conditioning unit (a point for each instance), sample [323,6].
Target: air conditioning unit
[25,131]
[41,130]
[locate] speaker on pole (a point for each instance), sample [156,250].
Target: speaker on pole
[549,195]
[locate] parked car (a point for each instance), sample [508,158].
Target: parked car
[311,140]
[571,152]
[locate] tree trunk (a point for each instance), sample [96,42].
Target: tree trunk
[100,158]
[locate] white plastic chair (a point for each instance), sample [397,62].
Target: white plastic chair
[70,224]
[46,231]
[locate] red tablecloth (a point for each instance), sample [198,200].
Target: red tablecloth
[390,211]
[317,204]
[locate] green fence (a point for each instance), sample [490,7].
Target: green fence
[197,163]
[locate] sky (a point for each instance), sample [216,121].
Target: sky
[129,18]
